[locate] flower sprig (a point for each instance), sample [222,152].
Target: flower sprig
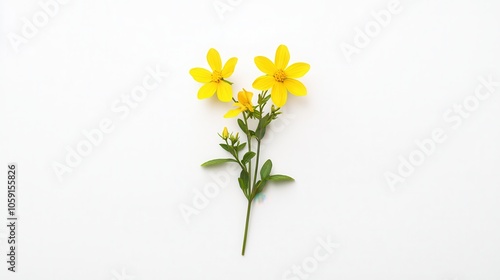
[274,85]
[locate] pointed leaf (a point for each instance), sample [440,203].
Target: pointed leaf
[241,147]
[227,148]
[242,125]
[247,157]
[266,169]
[260,186]
[266,99]
[243,186]
[279,178]
[244,181]
[217,161]
[245,177]
[261,127]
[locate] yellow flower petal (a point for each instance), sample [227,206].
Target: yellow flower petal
[282,57]
[233,113]
[224,92]
[297,70]
[279,94]
[295,87]
[201,75]
[228,69]
[248,96]
[213,59]
[264,82]
[243,97]
[207,90]
[265,65]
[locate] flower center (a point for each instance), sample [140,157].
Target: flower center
[279,76]
[216,76]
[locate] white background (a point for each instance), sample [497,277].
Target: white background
[117,213]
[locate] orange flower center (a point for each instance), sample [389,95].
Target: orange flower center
[279,76]
[216,76]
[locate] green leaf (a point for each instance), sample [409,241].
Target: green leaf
[241,147]
[242,126]
[217,161]
[279,178]
[227,148]
[263,100]
[266,169]
[247,157]
[245,177]
[260,132]
[266,99]
[243,185]
[261,127]
[260,186]
[257,185]
[244,181]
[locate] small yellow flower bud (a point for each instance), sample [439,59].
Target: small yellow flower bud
[225,133]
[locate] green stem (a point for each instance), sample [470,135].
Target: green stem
[249,144]
[256,166]
[246,227]
[251,189]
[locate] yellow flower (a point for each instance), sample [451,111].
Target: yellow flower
[215,80]
[225,133]
[244,103]
[279,77]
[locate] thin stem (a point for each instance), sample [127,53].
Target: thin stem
[246,227]
[256,165]
[249,144]
[252,193]
[252,188]
[241,165]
